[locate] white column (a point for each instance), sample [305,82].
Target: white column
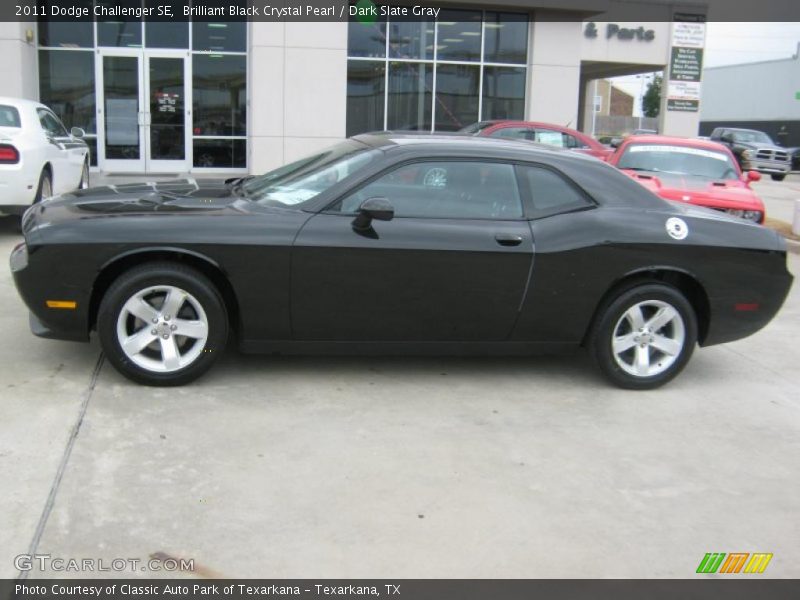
[18,69]
[298,90]
[554,68]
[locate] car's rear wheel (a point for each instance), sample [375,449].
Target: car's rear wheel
[162,324]
[645,336]
[776,177]
[45,189]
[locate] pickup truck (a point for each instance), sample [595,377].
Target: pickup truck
[755,151]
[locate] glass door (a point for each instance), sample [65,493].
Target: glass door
[143,112]
[167,110]
[121,117]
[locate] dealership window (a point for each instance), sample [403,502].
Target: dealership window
[66,85]
[219,97]
[467,66]
[215,54]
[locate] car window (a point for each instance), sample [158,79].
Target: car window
[550,137]
[51,124]
[679,160]
[551,193]
[9,116]
[516,133]
[570,141]
[444,190]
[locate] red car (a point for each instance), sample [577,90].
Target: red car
[544,133]
[695,171]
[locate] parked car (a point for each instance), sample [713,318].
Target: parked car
[688,170]
[544,133]
[755,151]
[38,157]
[398,244]
[795,154]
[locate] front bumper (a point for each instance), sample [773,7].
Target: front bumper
[766,166]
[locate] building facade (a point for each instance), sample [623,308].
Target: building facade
[734,96]
[246,97]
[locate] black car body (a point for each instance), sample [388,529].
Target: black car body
[755,151]
[329,274]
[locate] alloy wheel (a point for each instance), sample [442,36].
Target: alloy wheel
[648,338]
[162,329]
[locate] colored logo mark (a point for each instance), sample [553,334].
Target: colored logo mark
[365,12]
[736,562]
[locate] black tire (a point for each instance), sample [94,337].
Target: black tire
[163,274]
[611,322]
[776,177]
[45,183]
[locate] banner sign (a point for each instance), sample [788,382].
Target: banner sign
[685,66]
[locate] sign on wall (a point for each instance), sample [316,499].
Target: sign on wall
[685,66]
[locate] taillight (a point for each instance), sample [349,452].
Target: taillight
[8,154]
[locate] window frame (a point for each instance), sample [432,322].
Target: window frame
[521,193]
[435,61]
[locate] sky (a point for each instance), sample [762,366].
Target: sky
[731,44]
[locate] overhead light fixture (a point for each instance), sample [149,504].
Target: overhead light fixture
[474,33]
[218,25]
[453,40]
[493,25]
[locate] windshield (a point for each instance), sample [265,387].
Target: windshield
[306,178]
[682,160]
[758,137]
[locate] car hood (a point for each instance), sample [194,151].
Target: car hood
[723,193]
[757,146]
[171,196]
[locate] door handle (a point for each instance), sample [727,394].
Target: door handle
[508,239]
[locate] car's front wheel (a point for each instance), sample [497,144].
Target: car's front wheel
[162,324]
[645,336]
[776,177]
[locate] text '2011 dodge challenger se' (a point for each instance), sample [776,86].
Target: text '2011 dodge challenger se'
[398,244]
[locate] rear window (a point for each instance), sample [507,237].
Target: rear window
[9,116]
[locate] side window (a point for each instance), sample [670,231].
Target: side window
[516,133]
[444,190]
[551,193]
[570,141]
[550,137]
[50,123]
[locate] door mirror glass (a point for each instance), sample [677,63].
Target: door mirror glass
[374,208]
[77,132]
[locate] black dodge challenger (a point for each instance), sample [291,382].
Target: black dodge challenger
[398,244]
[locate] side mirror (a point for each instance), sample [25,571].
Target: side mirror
[753,176]
[373,208]
[77,132]
[615,142]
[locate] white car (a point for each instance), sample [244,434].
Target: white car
[38,157]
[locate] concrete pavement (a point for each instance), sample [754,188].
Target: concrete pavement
[378,467]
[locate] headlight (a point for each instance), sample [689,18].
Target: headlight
[748,153]
[750,215]
[19,257]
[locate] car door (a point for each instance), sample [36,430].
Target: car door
[452,265]
[65,154]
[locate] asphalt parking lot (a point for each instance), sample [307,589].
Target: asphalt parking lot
[403,468]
